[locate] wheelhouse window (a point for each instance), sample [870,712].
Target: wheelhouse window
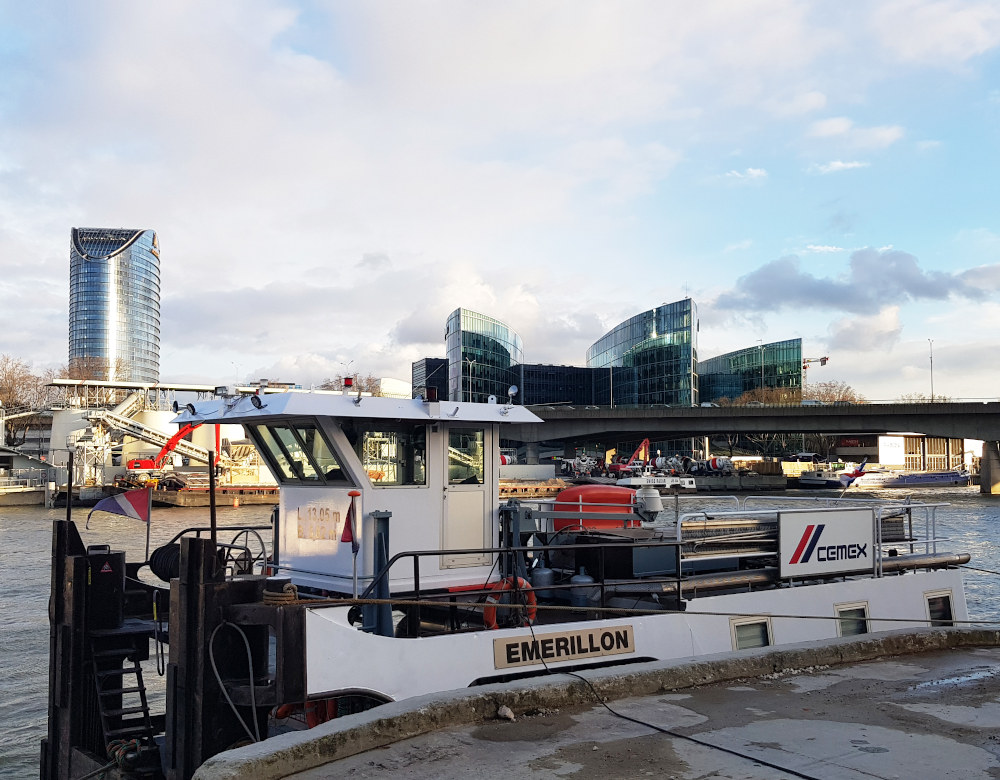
[394,457]
[750,633]
[939,608]
[466,456]
[852,619]
[298,453]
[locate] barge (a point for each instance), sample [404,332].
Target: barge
[395,569]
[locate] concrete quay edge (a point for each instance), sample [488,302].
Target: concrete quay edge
[286,754]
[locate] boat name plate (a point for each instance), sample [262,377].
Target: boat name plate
[532,650]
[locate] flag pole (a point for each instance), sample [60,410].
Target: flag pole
[69,487]
[211,495]
[354,546]
[149,518]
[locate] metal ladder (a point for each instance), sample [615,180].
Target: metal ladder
[123,708]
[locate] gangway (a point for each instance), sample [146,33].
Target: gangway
[145,433]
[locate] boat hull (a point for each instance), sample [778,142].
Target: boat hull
[340,658]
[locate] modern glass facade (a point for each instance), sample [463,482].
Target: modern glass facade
[650,359]
[770,366]
[430,372]
[114,304]
[482,353]
[547,384]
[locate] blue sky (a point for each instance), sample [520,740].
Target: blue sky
[330,179]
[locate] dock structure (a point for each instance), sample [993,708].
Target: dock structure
[906,704]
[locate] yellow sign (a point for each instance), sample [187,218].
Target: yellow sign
[564,646]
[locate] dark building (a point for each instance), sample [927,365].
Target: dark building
[430,373]
[548,384]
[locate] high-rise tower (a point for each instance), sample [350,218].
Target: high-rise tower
[114,305]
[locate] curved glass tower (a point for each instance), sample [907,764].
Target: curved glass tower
[651,358]
[114,305]
[777,365]
[482,353]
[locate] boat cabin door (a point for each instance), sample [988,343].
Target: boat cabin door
[469,489]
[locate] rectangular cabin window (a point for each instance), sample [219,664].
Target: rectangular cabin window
[750,633]
[298,453]
[395,457]
[466,456]
[939,609]
[852,619]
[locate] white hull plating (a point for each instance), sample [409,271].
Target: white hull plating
[343,659]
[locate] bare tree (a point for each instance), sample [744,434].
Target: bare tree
[368,383]
[22,391]
[920,398]
[832,392]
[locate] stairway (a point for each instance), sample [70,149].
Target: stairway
[121,693]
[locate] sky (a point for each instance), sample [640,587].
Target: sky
[329,180]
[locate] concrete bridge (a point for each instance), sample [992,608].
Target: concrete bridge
[963,420]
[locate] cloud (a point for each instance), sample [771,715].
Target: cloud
[835,166]
[843,129]
[944,32]
[747,174]
[867,332]
[823,249]
[874,280]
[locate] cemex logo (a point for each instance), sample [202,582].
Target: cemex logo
[809,543]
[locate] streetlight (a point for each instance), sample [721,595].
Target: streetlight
[347,366]
[471,363]
[930,343]
[760,346]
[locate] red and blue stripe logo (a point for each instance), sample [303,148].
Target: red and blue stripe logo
[804,550]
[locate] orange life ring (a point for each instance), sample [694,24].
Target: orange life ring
[508,583]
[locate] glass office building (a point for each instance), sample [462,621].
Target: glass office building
[482,353]
[777,365]
[114,305]
[549,384]
[430,373]
[650,359]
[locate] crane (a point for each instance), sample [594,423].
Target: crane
[805,367]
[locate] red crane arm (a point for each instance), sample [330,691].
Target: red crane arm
[171,443]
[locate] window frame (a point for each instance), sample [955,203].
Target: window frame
[286,476]
[945,593]
[736,622]
[852,605]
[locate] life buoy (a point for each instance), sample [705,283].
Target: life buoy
[508,583]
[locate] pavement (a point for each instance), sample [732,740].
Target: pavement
[920,704]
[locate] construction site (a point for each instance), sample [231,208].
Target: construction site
[122,437]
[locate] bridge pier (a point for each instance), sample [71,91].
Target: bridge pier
[531,453]
[989,468]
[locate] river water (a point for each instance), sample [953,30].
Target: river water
[971,521]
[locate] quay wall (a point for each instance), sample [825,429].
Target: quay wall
[287,754]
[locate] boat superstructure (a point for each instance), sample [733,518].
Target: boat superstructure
[397,571]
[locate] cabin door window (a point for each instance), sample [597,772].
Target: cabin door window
[466,519]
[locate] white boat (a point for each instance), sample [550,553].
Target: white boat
[475,609]
[412,578]
[821,478]
[891,478]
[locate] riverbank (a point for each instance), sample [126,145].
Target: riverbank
[903,704]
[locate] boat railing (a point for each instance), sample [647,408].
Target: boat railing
[245,553]
[23,478]
[669,584]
